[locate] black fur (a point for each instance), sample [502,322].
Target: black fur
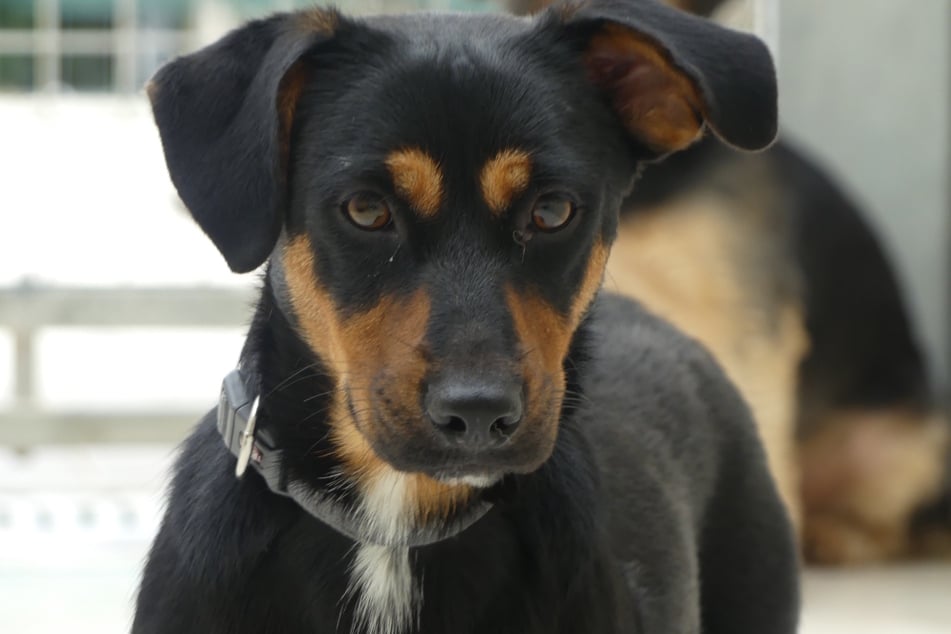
[654,511]
[223,153]
[654,514]
[734,101]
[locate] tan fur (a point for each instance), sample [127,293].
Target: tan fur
[436,499]
[657,102]
[865,472]
[679,262]
[356,348]
[320,20]
[593,277]
[418,179]
[544,333]
[287,97]
[151,90]
[545,336]
[504,177]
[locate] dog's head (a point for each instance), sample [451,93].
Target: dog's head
[437,195]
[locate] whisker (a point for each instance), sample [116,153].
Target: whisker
[294,374]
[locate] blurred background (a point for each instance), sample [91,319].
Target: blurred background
[118,319]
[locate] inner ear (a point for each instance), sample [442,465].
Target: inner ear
[289,92]
[657,102]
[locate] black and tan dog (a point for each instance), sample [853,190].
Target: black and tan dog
[446,430]
[764,259]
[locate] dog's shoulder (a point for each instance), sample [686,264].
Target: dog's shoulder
[215,529]
[670,435]
[643,367]
[658,406]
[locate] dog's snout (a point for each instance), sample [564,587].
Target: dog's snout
[475,415]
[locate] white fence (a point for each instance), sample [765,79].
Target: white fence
[26,311]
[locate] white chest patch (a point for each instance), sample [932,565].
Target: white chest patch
[385,594]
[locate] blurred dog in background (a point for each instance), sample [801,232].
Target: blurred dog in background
[766,261]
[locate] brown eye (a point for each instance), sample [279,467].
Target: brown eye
[552,213]
[367,211]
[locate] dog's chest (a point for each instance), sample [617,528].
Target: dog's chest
[385,595]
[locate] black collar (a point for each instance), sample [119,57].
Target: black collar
[237,424]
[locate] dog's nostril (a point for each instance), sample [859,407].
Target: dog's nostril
[505,426]
[454,424]
[474,415]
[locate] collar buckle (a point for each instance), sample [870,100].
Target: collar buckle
[246,440]
[237,424]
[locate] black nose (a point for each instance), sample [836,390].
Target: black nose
[475,415]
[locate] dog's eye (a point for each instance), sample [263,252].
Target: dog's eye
[552,212]
[367,211]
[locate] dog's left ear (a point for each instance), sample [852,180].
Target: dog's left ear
[668,74]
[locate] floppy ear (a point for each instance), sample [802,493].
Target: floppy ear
[224,115]
[668,74]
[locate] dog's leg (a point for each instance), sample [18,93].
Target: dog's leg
[865,472]
[748,559]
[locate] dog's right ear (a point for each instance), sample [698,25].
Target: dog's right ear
[224,115]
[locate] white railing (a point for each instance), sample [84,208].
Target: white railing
[26,310]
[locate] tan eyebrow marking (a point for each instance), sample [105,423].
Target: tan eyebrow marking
[504,177]
[417,178]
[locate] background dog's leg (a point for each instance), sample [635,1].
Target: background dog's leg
[866,471]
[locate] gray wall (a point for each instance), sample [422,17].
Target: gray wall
[865,88]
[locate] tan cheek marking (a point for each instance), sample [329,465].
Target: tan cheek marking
[656,101]
[372,344]
[352,447]
[542,331]
[316,312]
[544,337]
[323,332]
[590,284]
[355,347]
[504,177]
[418,179]
[388,340]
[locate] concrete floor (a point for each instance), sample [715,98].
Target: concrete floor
[73,536]
[906,599]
